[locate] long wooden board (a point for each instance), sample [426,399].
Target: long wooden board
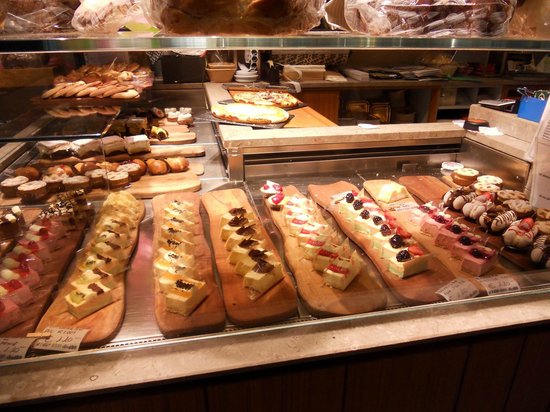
[427,242]
[102,325]
[278,303]
[54,269]
[178,134]
[417,289]
[210,314]
[362,295]
[427,188]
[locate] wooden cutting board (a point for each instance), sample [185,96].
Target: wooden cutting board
[104,324]
[425,188]
[209,316]
[362,295]
[427,242]
[417,289]
[177,134]
[278,303]
[55,268]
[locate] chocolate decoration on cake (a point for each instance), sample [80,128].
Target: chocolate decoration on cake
[262,266]
[237,221]
[180,284]
[246,230]
[94,288]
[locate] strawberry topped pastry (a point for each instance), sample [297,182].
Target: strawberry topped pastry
[13,260]
[418,214]
[15,290]
[479,260]
[520,234]
[10,314]
[449,234]
[433,222]
[342,270]
[478,206]
[23,273]
[270,188]
[277,201]
[408,262]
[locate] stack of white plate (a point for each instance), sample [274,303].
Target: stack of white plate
[246,76]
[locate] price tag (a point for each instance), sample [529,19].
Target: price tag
[404,206]
[14,348]
[61,340]
[458,289]
[499,284]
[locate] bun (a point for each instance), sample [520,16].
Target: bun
[60,170]
[29,172]
[157,167]
[177,164]
[84,167]
[141,164]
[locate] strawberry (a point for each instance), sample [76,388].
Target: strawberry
[278,198]
[415,250]
[527,223]
[403,233]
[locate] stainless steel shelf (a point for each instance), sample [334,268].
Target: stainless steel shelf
[74,42]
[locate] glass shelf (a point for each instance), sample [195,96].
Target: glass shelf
[125,41]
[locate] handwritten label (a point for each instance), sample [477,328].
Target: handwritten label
[404,206]
[14,348]
[61,340]
[458,289]
[499,284]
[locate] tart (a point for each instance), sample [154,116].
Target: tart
[32,191]
[9,186]
[77,182]
[115,180]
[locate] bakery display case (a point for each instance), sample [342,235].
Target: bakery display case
[351,259]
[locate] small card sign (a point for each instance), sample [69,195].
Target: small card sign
[14,348]
[61,340]
[499,284]
[458,289]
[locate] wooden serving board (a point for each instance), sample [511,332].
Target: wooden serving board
[427,188]
[102,325]
[278,303]
[417,289]
[177,134]
[54,269]
[210,314]
[426,241]
[362,295]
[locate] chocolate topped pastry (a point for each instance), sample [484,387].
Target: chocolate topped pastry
[263,266]
[237,221]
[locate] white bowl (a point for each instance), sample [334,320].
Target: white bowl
[246,73]
[244,79]
[247,76]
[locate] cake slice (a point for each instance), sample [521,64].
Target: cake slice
[241,250]
[23,273]
[236,212]
[479,260]
[96,275]
[262,277]
[16,291]
[183,295]
[341,271]
[408,262]
[88,299]
[254,255]
[242,233]
[232,226]
[10,314]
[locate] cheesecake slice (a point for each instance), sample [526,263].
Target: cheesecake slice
[94,276]
[183,295]
[88,299]
[408,262]
[341,271]
[262,277]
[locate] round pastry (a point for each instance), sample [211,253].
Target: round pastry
[522,208]
[141,164]
[172,116]
[157,167]
[508,194]
[84,167]
[60,170]
[108,166]
[448,167]
[481,188]
[116,180]
[54,183]
[177,164]
[543,214]
[77,183]
[97,177]
[277,201]
[543,227]
[465,176]
[487,218]
[133,170]
[489,179]
[540,246]
[503,221]
[461,200]
[9,186]
[29,172]
[520,234]
[453,194]
[477,207]
[32,191]
[185,118]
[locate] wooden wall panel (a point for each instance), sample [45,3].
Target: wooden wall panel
[531,387]
[326,102]
[315,388]
[421,378]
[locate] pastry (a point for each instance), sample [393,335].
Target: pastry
[10,185]
[250,114]
[490,180]
[16,291]
[433,223]
[113,144]
[172,116]
[242,233]
[137,144]
[11,223]
[236,212]
[87,147]
[341,271]
[136,125]
[520,234]
[60,170]
[522,207]
[29,172]
[240,251]
[184,118]
[84,167]
[177,164]
[543,214]
[463,245]
[22,273]
[277,201]
[479,260]
[77,182]
[97,177]
[142,166]
[133,170]
[55,149]
[184,295]
[450,196]
[158,133]
[88,299]
[10,314]
[270,188]
[108,166]
[32,191]
[408,262]
[478,206]
[115,180]
[497,219]
[508,194]
[392,192]
[263,276]
[95,276]
[461,200]
[449,234]
[541,248]
[465,176]
[482,187]
[157,167]
[543,227]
